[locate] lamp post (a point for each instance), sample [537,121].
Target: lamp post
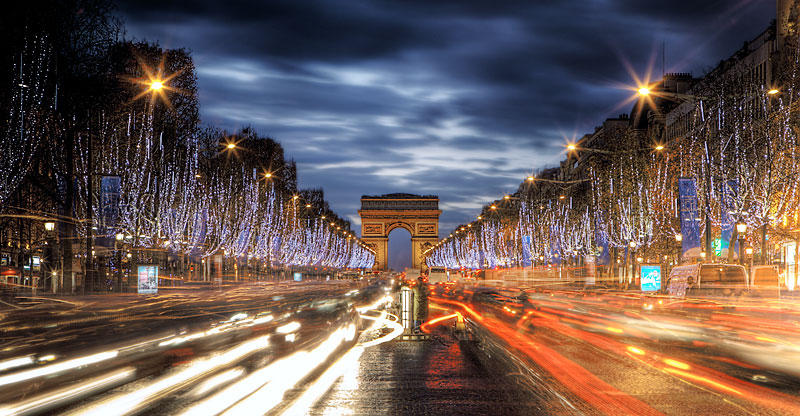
[49,227]
[749,252]
[678,239]
[632,246]
[741,228]
[117,240]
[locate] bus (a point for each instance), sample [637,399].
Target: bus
[438,274]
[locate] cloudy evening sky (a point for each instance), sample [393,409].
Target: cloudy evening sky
[458,98]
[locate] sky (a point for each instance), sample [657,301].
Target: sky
[458,98]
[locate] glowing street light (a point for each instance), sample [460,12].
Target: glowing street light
[156,85]
[119,236]
[231,146]
[660,147]
[49,226]
[773,91]
[571,147]
[644,91]
[678,237]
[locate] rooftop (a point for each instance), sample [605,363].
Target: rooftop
[399,196]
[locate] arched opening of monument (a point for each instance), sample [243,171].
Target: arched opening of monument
[399,249]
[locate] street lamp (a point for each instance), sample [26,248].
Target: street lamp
[679,239]
[644,91]
[156,85]
[51,253]
[773,91]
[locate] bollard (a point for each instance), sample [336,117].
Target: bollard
[407,309]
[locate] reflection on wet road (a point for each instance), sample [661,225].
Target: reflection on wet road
[241,350]
[621,352]
[334,348]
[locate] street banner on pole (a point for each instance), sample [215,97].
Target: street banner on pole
[526,250]
[147,279]
[110,188]
[601,241]
[727,197]
[689,217]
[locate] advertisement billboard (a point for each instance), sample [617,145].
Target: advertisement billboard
[651,277]
[147,280]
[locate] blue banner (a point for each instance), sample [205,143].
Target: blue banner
[689,216]
[526,250]
[601,241]
[727,198]
[109,202]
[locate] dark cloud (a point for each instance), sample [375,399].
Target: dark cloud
[458,98]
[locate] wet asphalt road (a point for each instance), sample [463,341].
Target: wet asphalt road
[439,376]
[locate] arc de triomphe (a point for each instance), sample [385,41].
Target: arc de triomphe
[418,214]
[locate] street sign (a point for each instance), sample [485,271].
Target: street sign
[650,277]
[147,279]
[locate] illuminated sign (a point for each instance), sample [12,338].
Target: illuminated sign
[147,280]
[651,277]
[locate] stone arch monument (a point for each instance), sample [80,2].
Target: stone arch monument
[418,214]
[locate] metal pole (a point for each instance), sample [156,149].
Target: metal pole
[88,277]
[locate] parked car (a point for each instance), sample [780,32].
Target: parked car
[698,280]
[765,282]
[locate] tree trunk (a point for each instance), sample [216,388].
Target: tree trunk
[732,244]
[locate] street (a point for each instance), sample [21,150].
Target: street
[173,353]
[620,352]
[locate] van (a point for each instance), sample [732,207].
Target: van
[707,280]
[765,282]
[438,274]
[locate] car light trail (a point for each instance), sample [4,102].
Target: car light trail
[126,403]
[15,362]
[56,367]
[48,401]
[288,328]
[348,363]
[218,380]
[427,325]
[376,304]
